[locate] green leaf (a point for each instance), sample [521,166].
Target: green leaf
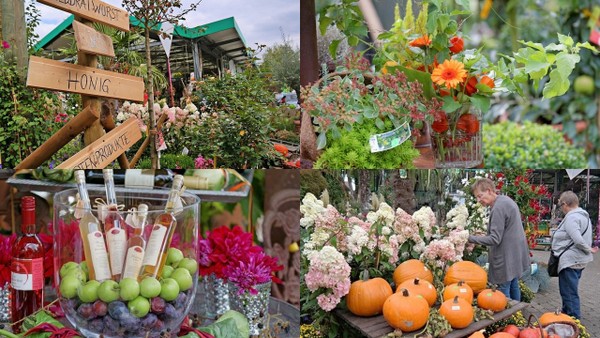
[423,78]
[223,329]
[450,105]
[353,41]
[481,102]
[321,141]
[379,123]
[534,45]
[555,48]
[565,63]
[558,85]
[333,47]
[566,40]
[536,62]
[324,23]
[443,21]
[587,45]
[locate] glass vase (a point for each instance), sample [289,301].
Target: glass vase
[4,303]
[254,307]
[216,291]
[117,317]
[460,144]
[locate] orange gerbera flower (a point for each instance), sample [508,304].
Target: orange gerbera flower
[423,41]
[449,73]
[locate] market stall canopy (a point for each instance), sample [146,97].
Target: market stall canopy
[206,49]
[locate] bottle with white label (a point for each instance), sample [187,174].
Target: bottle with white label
[114,228]
[27,268]
[162,233]
[136,245]
[92,237]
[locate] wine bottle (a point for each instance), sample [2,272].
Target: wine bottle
[114,228]
[135,178]
[162,233]
[27,267]
[136,245]
[92,237]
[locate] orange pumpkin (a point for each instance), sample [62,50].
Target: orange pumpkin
[468,123]
[460,289]
[501,335]
[457,312]
[556,316]
[421,288]
[477,334]
[405,312]
[492,299]
[411,269]
[469,272]
[366,297]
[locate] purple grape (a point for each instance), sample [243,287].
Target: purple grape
[100,308]
[96,325]
[170,311]
[130,323]
[116,309]
[111,326]
[149,321]
[86,311]
[179,302]
[157,305]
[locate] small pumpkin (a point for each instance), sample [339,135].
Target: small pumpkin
[405,312]
[411,269]
[477,334]
[457,312]
[460,289]
[512,329]
[492,299]
[366,296]
[468,123]
[556,316]
[501,335]
[469,272]
[420,288]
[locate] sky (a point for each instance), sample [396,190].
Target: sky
[260,21]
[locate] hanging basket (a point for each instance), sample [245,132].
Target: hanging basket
[563,329]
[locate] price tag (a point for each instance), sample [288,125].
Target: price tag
[390,139]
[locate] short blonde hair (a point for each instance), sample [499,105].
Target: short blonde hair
[484,184]
[569,198]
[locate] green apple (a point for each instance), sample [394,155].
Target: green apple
[139,307]
[169,289]
[77,273]
[167,271]
[69,286]
[84,267]
[189,264]
[584,84]
[67,267]
[109,291]
[174,256]
[183,278]
[130,289]
[150,287]
[88,293]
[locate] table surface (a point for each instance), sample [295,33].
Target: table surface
[375,327]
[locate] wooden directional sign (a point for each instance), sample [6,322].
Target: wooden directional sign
[66,77]
[106,149]
[91,41]
[94,10]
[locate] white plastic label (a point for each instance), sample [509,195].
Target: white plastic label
[133,262]
[154,245]
[455,308]
[117,244]
[99,255]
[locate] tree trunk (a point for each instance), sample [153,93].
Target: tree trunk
[14,32]
[150,90]
[309,73]
[364,190]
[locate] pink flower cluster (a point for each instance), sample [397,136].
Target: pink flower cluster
[5,44]
[203,163]
[329,274]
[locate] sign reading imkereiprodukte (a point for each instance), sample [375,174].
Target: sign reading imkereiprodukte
[93,10]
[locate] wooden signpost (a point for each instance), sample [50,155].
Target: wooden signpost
[92,83]
[93,10]
[66,77]
[106,149]
[91,41]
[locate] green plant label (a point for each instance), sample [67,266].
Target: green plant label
[390,139]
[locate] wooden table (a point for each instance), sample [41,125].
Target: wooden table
[375,327]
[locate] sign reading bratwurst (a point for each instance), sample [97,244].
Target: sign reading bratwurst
[94,10]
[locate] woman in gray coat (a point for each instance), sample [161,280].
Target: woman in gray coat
[574,238]
[508,250]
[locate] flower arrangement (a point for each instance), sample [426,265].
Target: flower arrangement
[431,50]
[328,277]
[229,254]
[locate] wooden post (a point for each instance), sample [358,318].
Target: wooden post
[14,32]
[309,73]
[107,121]
[69,131]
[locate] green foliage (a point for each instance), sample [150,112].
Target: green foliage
[283,62]
[32,21]
[312,181]
[530,145]
[346,16]
[171,161]
[27,116]
[235,111]
[351,150]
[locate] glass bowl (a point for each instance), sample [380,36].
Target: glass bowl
[116,309]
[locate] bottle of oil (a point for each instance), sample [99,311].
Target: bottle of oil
[92,237]
[162,233]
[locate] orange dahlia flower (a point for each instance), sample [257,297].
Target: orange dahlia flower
[449,73]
